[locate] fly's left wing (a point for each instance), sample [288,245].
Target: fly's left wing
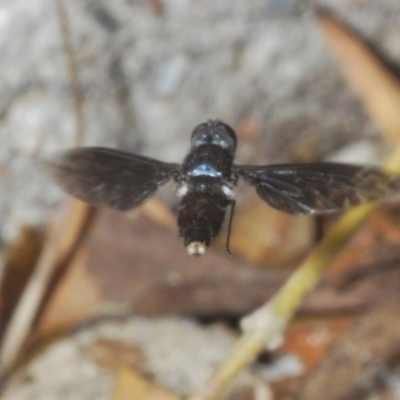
[317,188]
[113,178]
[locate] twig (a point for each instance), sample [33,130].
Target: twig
[62,241]
[72,68]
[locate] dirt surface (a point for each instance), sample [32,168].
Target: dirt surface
[90,358]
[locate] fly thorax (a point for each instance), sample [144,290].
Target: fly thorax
[207,162]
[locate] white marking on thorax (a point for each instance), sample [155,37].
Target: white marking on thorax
[228,192]
[205,170]
[182,190]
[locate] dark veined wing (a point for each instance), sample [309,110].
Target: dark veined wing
[317,188]
[102,176]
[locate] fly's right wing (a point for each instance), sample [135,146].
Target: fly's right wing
[102,176]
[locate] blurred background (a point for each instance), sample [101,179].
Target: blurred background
[139,75]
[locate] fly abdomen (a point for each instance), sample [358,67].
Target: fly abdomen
[200,217]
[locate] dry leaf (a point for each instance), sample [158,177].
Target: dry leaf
[112,354]
[132,386]
[136,265]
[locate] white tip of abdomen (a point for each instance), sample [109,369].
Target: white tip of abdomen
[196,248]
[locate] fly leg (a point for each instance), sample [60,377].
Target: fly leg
[228,238]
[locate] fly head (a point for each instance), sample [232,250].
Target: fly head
[215,133]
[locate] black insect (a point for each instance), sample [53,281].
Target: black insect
[205,179]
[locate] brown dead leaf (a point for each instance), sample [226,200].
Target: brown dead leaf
[136,265]
[133,386]
[113,355]
[377,88]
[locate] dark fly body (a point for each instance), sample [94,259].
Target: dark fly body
[205,179]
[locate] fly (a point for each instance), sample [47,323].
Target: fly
[205,179]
